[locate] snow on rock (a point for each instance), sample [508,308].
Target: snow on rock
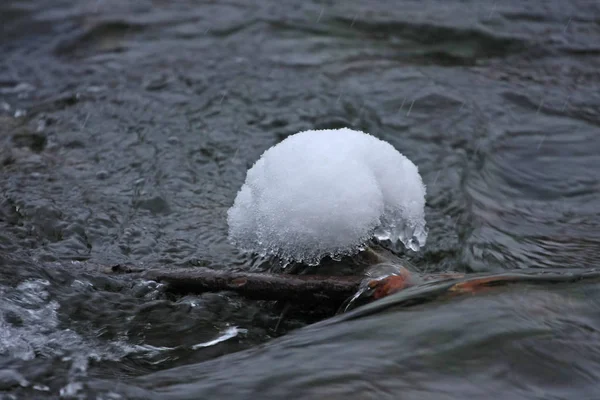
[325,193]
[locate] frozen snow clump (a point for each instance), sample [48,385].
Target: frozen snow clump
[325,193]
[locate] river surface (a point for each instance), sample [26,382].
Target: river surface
[127,127]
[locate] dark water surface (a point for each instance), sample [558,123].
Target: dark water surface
[127,127]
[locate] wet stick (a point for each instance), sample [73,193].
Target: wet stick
[307,290]
[259,286]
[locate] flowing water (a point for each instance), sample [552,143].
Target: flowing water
[127,127]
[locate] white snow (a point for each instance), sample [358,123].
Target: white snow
[327,192]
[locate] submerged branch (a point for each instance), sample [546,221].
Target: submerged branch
[335,290]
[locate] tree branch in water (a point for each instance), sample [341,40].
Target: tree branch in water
[332,290]
[257,286]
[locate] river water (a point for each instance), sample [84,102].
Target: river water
[127,127]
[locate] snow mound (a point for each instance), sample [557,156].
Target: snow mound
[325,193]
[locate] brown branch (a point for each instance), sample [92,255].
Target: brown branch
[335,290]
[259,286]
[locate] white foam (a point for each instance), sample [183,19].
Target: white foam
[327,192]
[229,333]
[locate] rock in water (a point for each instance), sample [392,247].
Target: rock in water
[325,193]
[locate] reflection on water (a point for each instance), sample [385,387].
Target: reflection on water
[126,129]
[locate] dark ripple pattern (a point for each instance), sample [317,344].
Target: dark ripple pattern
[126,128]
